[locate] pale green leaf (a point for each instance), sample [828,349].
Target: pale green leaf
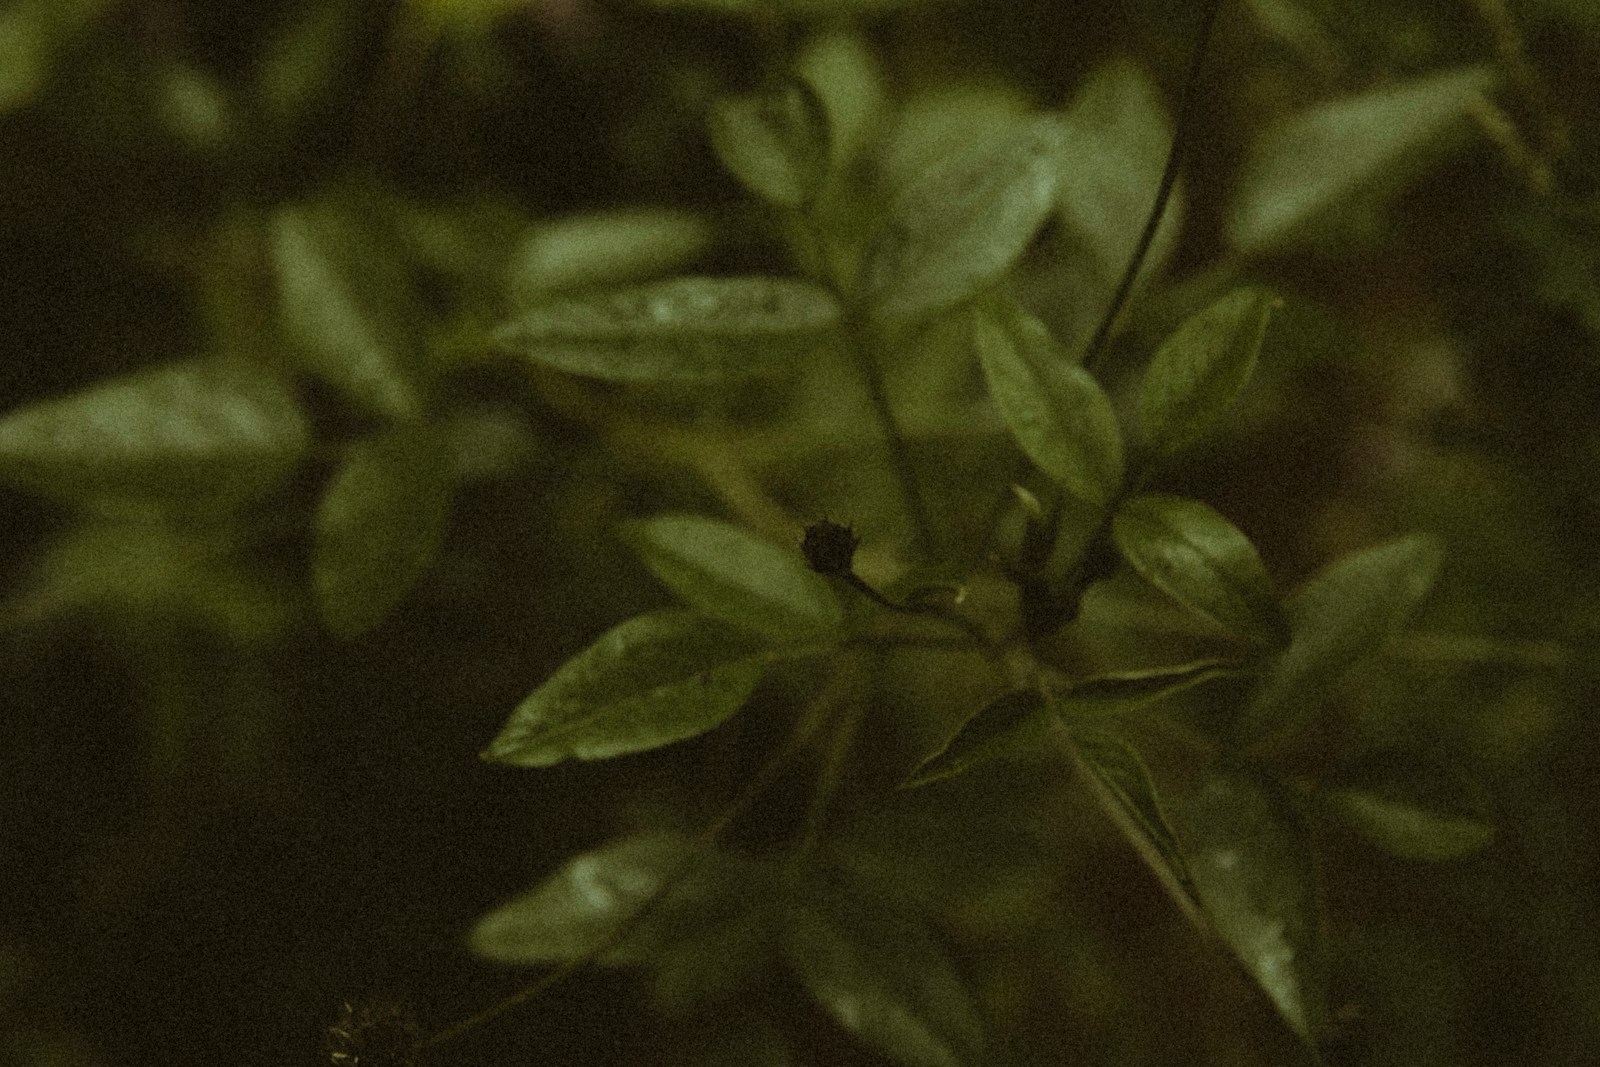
[207,433]
[1059,415]
[1119,692]
[347,307]
[1253,875]
[736,577]
[602,248]
[775,142]
[1343,613]
[1120,774]
[688,330]
[883,975]
[1412,807]
[654,679]
[965,222]
[1332,154]
[1201,368]
[843,70]
[379,526]
[1118,137]
[584,903]
[1202,561]
[1014,723]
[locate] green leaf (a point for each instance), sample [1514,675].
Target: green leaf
[1198,371]
[657,678]
[843,70]
[690,330]
[964,223]
[1057,412]
[379,526]
[774,142]
[1014,723]
[1334,153]
[1342,614]
[602,248]
[1201,560]
[736,577]
[766,9]
[1253,874]
[1122,777]
[1118,136]
[883,975]
[201,433]
[1119,692]
[575,910]
[347,306]
[1411,807]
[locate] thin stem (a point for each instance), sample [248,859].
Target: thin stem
[1169,177]
[843,741]
[810,722]
[894,439]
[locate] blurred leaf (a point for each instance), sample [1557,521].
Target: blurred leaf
[1330,154]
[141,570]
[347,304]
[939,123]
[573,911]
[654,679]
[1201,560]
[1119,692]
[1014,723]
[379,526]
[775,142]
[1199,370]
[302,61]
[965,222]
[1122,776]
[1343,613]
[841,68]
[32,34]
[1411,807]
[883,976]
[1253,874]
[1057,412]
[737,578]
[1118,136]
[603,248]
[195,109]
[759,1045]
[690,330]
[208,433]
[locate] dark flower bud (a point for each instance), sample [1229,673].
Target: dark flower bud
[830,548]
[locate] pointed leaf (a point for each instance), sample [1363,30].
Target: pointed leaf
[682,330]
[1122,776]
[1253,875]
[1118,136]
[884,976]
[202,432]
[1201,560]
[578,908]
[1412,808]
[602,248]
[1057,412]
[736,577]
[1198,372]
[962,225]
[1331,154]
[657,678]
[346,304]
[1014,723]
[1119,692]
[774,142]
[1343,613]
[379,526]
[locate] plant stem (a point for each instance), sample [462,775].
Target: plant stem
[1169,177]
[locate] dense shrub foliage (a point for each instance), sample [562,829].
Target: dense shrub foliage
[963,533]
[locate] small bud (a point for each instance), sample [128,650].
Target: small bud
[830,548]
